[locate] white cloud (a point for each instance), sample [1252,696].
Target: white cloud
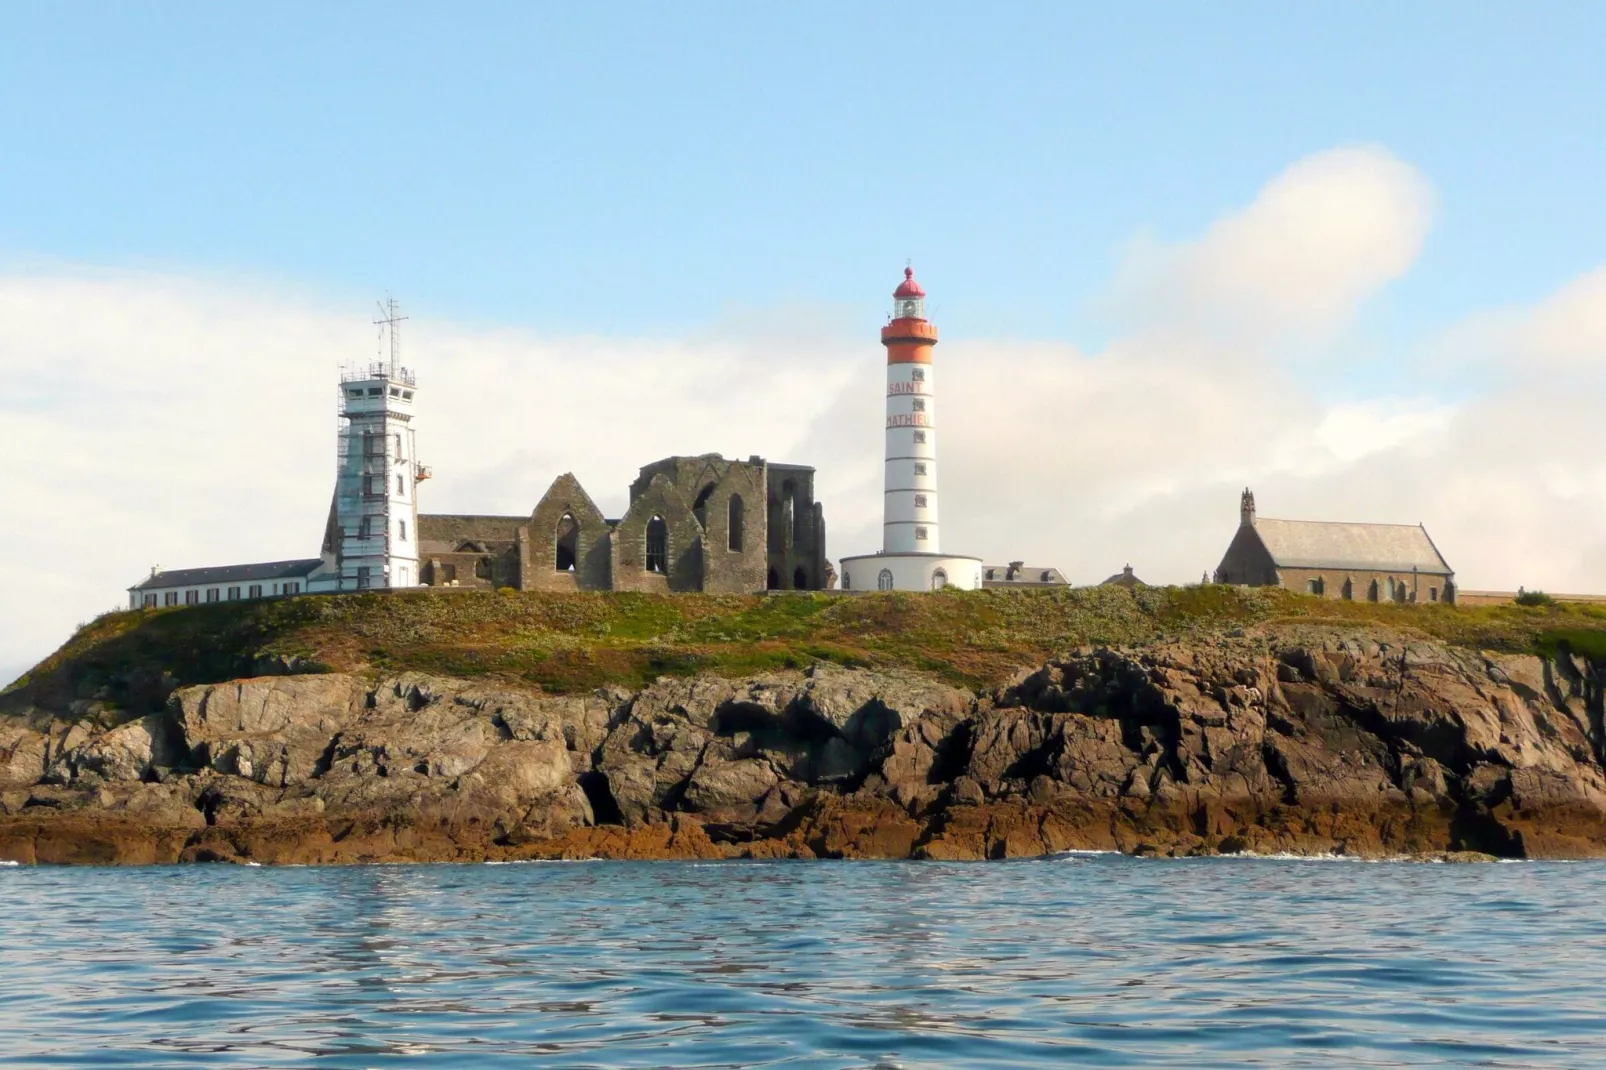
[153,419]
[1317,241]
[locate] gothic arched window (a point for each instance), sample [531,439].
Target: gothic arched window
[568,538]
[883,582]
[657,545]
[737,518]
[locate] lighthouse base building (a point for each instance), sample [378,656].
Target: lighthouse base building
[910,572]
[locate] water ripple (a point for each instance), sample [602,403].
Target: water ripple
[1096,960]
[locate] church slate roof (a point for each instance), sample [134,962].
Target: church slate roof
[205,577]
[1359,547]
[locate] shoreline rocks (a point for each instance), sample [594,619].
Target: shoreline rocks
[1359,742]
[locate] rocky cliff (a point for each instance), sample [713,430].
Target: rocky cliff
[1358,741]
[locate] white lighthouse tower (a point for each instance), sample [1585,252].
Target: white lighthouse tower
[911,557]
[372,540]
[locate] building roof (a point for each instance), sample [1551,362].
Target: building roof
[909,287]
[1369,547]
[1125,578]
[203,577]
[1018,572]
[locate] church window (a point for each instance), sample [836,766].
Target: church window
[211,594]
[991,573]
[255,590]
[919,404]
[920,534]
[920,501]
[920,438]
[482,568]
[773,580]
[800,579]
[192,598]
[700,506]
[568,547]
[1371,591]
[939,580]
[658,545]
[883,582]
[920,468]
[1348,590]
[738,518]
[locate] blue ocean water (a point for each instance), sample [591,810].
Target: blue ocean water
[1082,960]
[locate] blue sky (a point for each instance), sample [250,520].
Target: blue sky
[642,168]
[1352,254]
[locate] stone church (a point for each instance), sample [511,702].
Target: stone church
[1365,562]
[693,524]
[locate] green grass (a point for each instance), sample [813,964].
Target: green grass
[571,642]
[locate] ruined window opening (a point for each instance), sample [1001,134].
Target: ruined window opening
[800,579]
[567,554]
[482,568]
[658,545]
[738,518]
[939,580]
[1433,594]
[883,582]
[990,573]
[1317,586]
[445,573]
[773,581]
[800,520]
[1371,591]
[700,506]
[1348,591]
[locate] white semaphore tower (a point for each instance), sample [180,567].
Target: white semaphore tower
[911,557]
[372,541]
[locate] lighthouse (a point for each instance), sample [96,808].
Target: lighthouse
[911,557]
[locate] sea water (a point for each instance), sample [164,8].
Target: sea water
[1084,960]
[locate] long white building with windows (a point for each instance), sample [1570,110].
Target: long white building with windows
[371,537]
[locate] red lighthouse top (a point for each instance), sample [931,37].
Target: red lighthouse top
[908,287]
[909,336]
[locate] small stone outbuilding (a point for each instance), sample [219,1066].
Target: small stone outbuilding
[1362,562]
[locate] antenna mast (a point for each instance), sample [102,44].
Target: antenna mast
[389,320]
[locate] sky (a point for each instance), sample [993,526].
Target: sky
[1351,255]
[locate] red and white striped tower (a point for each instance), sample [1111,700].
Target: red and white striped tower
[909,521]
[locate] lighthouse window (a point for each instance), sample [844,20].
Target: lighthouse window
[401,488]
[737,520]
[917,375]
[401,530]
[920,438]
[883,582]
[920,534]
[939,580]
[407,395]
[354,393]
[920,404]
[920,468]
[376,391]
[920,501]
[657,545]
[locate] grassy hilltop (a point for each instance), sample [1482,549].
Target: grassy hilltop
[569,642]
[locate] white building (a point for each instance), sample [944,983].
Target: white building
[371,538]
[911,557]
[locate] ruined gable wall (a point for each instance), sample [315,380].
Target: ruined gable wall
[684,543]
[592,566]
